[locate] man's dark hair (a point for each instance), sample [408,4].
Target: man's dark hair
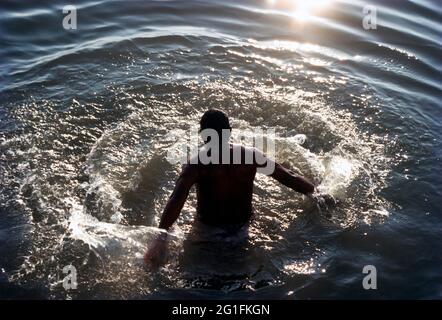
[214,119]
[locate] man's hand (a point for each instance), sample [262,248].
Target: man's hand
[156,254]
[324,201]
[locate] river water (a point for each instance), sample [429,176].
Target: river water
[86,117]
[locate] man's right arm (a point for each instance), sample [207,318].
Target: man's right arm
[292,180]
[283,175]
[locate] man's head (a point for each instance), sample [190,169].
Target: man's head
[215,119]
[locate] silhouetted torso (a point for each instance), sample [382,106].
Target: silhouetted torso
[224,193]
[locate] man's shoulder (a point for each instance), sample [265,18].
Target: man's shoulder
[189,170]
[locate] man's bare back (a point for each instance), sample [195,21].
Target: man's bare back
[224,193]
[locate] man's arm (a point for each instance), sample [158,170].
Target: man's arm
[179,195]
[291,180]
[283,175]
[156,252]
[295,182]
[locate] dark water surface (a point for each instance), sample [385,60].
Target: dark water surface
[86,118]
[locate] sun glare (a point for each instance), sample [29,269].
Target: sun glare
[301,10]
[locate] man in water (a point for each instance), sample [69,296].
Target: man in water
[224,188]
